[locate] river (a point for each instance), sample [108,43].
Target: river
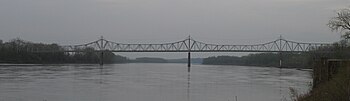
[149,82]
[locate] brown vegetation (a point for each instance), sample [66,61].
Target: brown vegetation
[329,84]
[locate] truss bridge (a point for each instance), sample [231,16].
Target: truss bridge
[188,45]
[191,45]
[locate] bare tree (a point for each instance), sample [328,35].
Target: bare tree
[341,22]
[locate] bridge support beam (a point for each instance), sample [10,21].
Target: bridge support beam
[189,55]
[102,48]
[189,62]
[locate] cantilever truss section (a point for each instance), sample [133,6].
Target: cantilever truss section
[188,45]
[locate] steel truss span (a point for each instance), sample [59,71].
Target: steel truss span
[188,45]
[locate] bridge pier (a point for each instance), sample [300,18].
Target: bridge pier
[189,62]
[101,58]
[102,49]
[281,57]
[189,55]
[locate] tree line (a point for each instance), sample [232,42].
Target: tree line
[289,60]
[16,51]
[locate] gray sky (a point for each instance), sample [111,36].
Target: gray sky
[156,21]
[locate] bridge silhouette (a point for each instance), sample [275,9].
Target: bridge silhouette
[189,45]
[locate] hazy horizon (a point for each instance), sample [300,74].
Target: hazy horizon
[158,21]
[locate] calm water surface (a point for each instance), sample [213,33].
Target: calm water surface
[149,82]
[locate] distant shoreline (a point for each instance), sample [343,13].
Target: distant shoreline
[291,67]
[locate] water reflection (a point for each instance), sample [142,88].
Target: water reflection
[147,82]
[188,86]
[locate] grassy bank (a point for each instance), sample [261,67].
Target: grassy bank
[335,88]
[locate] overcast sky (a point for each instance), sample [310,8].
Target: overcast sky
[156,21]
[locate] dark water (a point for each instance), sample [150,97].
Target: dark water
[149,82]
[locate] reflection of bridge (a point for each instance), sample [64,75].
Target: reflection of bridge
[189,45]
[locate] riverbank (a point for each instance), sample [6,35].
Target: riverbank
[334,86]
